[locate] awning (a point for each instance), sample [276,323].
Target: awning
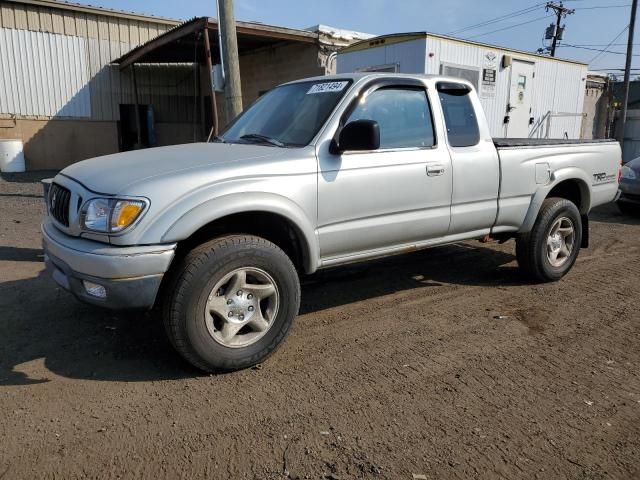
[180,44]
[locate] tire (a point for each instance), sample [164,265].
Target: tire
[628,208]
[532,248]
[196,317]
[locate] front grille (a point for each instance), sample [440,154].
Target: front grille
[59,198]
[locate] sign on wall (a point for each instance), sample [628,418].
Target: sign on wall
[489,74]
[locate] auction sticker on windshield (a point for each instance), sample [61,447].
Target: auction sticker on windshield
[327,87]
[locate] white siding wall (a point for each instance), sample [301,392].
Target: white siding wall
[558,86]
[43,74]
[409,56]
[471,56]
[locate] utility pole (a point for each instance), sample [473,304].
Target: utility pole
[627,72]
[231,62]
[561,12]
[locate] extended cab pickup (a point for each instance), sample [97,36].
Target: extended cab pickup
[316,173]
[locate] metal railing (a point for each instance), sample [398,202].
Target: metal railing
[545,122]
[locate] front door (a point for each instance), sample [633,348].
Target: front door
[520,92]
[393,196]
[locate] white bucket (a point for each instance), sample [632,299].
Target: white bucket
[11,156]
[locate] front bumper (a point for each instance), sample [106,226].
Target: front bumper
[131,276]
[629,198]
[629,191]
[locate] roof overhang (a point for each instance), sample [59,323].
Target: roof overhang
[180,44]
[384,40]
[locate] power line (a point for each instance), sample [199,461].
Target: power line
[611,69]
[603,44]
[501,18]
[609,44]
[511,26]
[602,6]
[594,49]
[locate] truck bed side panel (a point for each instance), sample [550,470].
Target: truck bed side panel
[528,173]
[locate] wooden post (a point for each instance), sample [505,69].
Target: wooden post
[209,63]
[137,107]
[200,103]
[232,88]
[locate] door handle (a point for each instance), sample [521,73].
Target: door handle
[435,170]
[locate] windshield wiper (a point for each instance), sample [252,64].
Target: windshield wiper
[262,139]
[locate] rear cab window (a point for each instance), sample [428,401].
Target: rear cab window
[459,115]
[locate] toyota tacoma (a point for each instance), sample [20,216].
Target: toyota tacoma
[316,173]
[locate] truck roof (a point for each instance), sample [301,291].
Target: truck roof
[357,76]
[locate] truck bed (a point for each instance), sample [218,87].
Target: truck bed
[541,142]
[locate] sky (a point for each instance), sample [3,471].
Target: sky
[595,25]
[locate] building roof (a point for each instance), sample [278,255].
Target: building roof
[78,7]
[179,45]
[340,34]
[406,37]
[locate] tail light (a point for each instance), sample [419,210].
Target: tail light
[620,172]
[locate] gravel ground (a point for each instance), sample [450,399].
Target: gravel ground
[444,363]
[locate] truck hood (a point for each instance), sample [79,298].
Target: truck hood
[113,174]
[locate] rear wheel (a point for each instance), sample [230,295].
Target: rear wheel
[550,249]
[232,303]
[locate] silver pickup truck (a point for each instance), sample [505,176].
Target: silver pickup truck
[316,173]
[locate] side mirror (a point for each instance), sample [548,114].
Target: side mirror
[359,135]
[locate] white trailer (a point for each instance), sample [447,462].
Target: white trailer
[523,94]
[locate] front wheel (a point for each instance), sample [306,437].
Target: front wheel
[232,302]
[550,249]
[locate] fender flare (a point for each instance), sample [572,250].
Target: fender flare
[557,177]
[245,202]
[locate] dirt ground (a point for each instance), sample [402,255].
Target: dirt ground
[444,363]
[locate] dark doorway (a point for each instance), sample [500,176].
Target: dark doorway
[127,127]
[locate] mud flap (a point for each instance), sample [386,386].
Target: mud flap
[585,231]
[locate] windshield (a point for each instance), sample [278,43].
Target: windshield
[289,115]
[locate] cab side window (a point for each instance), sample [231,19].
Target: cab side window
[459,115]
[403,115]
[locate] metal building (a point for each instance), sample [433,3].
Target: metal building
[63,95]
[523,94]
[57,92]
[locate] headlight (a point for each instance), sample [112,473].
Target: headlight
[628,173]
[110,215]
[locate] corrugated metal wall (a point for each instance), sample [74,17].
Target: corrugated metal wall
[82,46]
[43,74]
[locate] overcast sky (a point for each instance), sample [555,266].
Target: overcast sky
[594,25]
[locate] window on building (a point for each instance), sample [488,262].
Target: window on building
[403,115]
[389,68]
[472,75]
[459,115]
